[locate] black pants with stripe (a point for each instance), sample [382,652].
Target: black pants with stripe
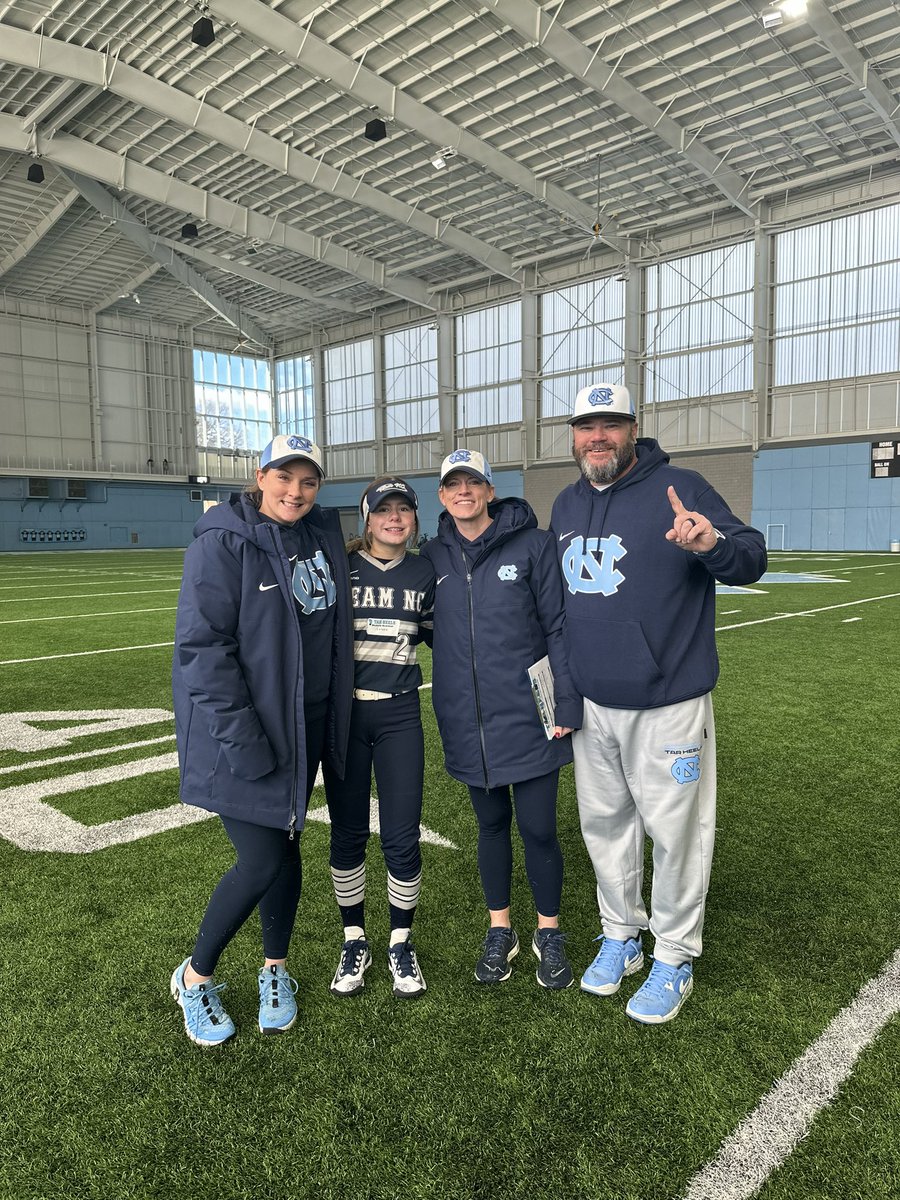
[386,735]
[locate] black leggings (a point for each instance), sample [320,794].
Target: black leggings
[268,874]
[535,804]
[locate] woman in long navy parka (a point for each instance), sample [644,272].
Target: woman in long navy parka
[262,682]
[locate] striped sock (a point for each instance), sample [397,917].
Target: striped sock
[350,893]
[403,897]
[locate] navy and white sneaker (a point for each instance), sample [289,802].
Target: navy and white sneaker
[614,961]
[205,1020]
[500,947]
[277,1006]
[356,956]
[407,977]
[661,995]
[555,970]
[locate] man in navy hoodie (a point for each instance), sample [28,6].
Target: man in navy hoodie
[641,545]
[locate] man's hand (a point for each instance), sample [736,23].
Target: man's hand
[690,530]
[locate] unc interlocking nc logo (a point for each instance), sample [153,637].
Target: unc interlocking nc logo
[686,770]
[508,572]
[585,572]
[460,456]
[600,396]
[313,585]
[299,443]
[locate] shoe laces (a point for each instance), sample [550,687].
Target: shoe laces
[551,946]
[611,953]
[660,979]
[279,986]
[208,1003]
[497,944]
[403,957]
[352,956]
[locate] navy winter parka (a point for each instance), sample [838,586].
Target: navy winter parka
[237,675]
[640,611]
[490,626]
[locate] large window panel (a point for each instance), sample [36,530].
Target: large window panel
[582,340]
[232,401]
[699,325]
[837,299]
[295,408]
[350,393]
[489,366]
[411,382]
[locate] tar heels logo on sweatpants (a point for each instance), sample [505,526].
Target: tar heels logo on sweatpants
[313,585]
[686,770]
[584,571]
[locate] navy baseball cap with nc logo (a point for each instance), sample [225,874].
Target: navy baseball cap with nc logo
[286,447]
[603,399]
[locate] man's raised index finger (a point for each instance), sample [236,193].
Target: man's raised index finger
[677,506]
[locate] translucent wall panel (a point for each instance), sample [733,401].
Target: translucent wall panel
[699,325]
[295,409]
[837,298]
[582,340]
[350,392]
[233,401]
[411,383]
[489,366]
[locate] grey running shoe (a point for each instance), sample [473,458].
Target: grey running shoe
[355,958]
[408,978]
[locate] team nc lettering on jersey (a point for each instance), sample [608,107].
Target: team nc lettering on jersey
[584,571]
[383,597]
[312,583]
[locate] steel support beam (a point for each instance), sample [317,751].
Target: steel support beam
[129,287]
[826,28]
[40,231]
[322,60]
[102,72]
[127,225]
[582,64]
[121,172]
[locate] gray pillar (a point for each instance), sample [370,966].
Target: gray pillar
[763,327]
[530,373]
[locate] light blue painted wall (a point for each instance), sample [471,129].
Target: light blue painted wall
[825,499]
[163,514]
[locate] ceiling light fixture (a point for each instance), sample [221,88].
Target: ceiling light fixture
[189,230]
[135,297]
[772,17]
[375,129]
[443,156]
[35,173]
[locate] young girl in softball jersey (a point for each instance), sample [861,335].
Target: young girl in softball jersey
[393,598]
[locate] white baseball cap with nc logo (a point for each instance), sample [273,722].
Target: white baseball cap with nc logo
[466,460]
[288,446]
[603,400]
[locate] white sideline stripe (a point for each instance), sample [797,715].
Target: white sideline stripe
[808,612]
[62,758]
[766,1137]
[119,612]
[143,576]
[7,662]
[84,596]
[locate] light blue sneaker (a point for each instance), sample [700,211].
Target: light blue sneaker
[205,1020]
[614,961]
[277,1006]
[661,995]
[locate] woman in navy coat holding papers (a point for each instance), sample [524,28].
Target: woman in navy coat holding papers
[499,610]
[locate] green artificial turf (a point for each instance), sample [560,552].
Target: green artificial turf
[469,1092]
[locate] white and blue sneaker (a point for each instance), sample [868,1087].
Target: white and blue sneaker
[661,995]
[614,961]
[205,1020]
[277,1006]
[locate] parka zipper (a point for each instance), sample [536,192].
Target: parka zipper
[292,824]
[478,715]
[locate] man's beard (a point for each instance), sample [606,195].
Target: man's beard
[618,462]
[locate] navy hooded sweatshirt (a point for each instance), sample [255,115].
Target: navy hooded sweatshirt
[640,611]
[494,617]
[237,675]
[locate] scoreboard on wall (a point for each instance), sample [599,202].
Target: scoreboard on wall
[886,460]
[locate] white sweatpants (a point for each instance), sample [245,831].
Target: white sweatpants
[653,772]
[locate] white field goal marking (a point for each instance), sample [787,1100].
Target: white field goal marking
[119,612]
[83,596]
[9,662]
[766,1137]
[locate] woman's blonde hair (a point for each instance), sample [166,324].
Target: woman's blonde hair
[365,541]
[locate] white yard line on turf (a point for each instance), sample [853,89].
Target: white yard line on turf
[8,662]
[119,612]
[809,612]
[766,1137]
[85,596]
[62,758]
